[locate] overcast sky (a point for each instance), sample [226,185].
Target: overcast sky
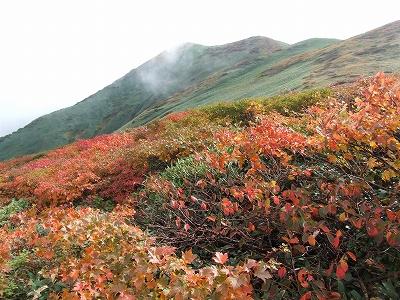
[55,53]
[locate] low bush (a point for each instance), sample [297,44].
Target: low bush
[15,206]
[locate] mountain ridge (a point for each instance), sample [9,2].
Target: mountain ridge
[195,74]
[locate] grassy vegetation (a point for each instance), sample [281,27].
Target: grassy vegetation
[15,206]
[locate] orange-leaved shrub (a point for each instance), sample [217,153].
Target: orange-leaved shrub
[318,192]
[86,254]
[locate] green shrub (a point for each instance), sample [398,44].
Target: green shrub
[19,261]
[23,281]
[237,112]
[103,204]
[185,169]
[15,206]
[244,111]
[295,102]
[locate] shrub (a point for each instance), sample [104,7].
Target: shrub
[185,169]
[323,205]
[15,206]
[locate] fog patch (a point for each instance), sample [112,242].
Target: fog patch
[165,71]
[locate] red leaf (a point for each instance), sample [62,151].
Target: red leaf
[324,228]
[372,230]
[391,215]
[357,223]
[341,269]
[335,242]
[186,227]
[306,296]
[251,227]
[328,272]
[281,272]
[178,222]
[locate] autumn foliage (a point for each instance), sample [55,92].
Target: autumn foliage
[284,205]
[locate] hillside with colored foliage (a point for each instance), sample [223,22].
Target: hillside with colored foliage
[194,75]
[289,197]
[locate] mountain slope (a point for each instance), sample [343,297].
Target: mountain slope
[193,75]
[311,63]
[118,103]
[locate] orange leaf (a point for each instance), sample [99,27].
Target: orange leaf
[302,277]
[351,255]
[188,256]
[311,240]
[220,258]
[125,296]
[74,274]
[212,218]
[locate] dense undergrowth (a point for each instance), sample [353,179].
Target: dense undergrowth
[288,197]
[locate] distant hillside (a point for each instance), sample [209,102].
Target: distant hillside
[120,102]
[193,75]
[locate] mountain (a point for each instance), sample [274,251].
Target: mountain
[193,75]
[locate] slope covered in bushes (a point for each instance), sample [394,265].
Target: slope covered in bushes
[288,197]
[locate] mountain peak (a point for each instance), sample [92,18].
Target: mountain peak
[259,44]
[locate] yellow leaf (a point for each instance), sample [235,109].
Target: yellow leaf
[372,163]
[267,203]
[388,174]
[332,158]
[348,156]
[396,164]
[342,217]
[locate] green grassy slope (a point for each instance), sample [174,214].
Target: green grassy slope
[237,82]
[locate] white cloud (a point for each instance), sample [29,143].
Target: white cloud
[54,53]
